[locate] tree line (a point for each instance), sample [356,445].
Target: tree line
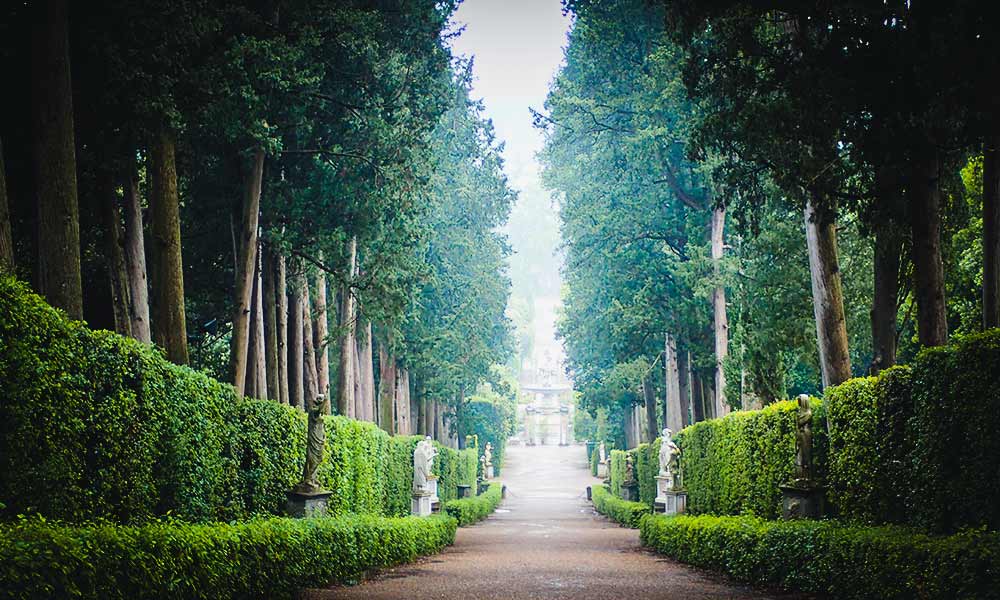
[299,197]
[768,198]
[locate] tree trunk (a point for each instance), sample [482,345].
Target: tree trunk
[721,320]
[359,404]
[310,375]
[402,426]
[260,362]
[367,373]
[345,398]
[282,310]
[428,411]
[54,160]
[928,270]
[697,398]
[991,231]
[268,266]
[295,341]
[649,396]
[387,388]
[888,251]
[828,299]
[439,425]
[169,325]
[6,239]
[115,257]
[250,383]
[322,329]
[246,260]
[421,417]
[135,260]
[684,384]
[674,408]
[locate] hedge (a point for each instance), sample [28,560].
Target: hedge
[616,472]
[96,425]
[267,558]
[831,558]
[595,459]
[490,421]
[476,508]
[623,511]
[735,464]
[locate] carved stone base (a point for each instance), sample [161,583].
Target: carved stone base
[803,500]
[630,491]
[663,485]
[671,502]
[602,470]
[489,471]
[420,506]
[307,504]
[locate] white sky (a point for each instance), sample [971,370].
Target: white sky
[517,47]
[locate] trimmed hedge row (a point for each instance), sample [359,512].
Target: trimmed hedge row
[616,471]
[827,557]
[267,558]
[735,464]
[476,508]
[623,511]
[95,425]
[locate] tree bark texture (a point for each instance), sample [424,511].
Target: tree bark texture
[295,350]
[135,260]
[6,239]
[269,275]
[888,251]
[310,375]
[260,350]
[321,327]
[246,260]
[697,398]
[367,373]
[721,319]
[169,325]
[675,410]
[54,160]
[684,385]
[282,308]
[991,231]
[828,298]
[115,257]
[387,389]
[345,397]
[928,269]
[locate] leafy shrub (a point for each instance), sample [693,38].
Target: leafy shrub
[595,458]
[616,471]
[95,425]
[647,464]
[735,464]
[476,508]
[956,417]
[491,418]
[466,471]
[623,511]
[266,558]
[830,558]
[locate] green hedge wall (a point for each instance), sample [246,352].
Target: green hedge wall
[616,471]
[735,464]
[830,558]
[491,422]
[595,457]
[623,511]
[647,464]
[955,425]
[95,425]
[267,558]
[476,508]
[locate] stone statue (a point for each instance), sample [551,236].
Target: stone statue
[629,469]
[423,462]
[482,463]
[315,444]
[488,454]
[603,453]
[803,440]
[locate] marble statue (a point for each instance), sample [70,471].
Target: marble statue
[315,444]
[803,440]
[629,468]
[423,463]
[603,453]
[488,454]
[669,451]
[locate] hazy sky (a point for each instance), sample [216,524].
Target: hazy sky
[517,45]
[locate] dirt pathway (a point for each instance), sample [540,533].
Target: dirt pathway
[546,541]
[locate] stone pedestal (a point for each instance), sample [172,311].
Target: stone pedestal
[630,491]
[304,505]
[671,502]
[489,471]
[420,506]
[663,485]
[464,491]
[803,500]
[602,470]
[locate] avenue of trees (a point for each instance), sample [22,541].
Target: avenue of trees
[298,197]
[767,198]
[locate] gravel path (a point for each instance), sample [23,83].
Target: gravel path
[545,541]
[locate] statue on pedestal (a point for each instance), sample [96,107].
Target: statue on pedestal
[629,469]
[803,441]
[315,444]
[803,496]
[669,452]
[488,454]
[603,453]
[423,463]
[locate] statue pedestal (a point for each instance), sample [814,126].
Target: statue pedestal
[432,488]
[602,470]
[464,491]
[489,471]
[420,505]
[303,505]
[663,485]
[671,502]
[803,500]
[630,491]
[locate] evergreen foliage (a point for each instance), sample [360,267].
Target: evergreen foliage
[476,508]
[624,512]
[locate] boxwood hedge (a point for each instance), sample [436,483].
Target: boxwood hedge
[623,511]
[831,558]
[476,508]
[96,425]
[265,558]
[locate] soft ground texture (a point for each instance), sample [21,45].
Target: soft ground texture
[545,541]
